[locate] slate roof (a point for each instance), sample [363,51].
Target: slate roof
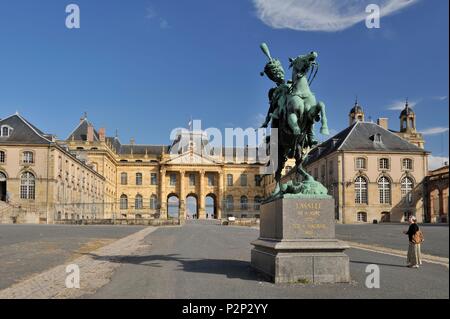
[23,132]
[360,137]
[138,149]
[80,132]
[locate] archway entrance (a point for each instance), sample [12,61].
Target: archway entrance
[191,207]
[173,206]
[385,217]
[2,187]
[210,207]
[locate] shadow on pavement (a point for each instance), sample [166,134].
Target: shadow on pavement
[230,268]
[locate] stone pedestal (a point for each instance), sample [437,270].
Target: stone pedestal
[297,243]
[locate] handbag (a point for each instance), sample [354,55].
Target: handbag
[418,238]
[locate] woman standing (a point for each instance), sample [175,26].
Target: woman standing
[414,258]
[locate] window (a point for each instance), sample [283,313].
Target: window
[229,179]
[192,179]
[2,157]
[361,217]
[123,178]
[138,178]
[258,201]
[384,188]
[377,138]
[153,179]
[210,179]
[123,202]
[5,132]
[258,180]
[316,173]
[153,202]
[27,157]
[407,186]
[244,203]
[229,203]
[361,163]
[243,179]
[384,163]
[138,202]
[361,190]
[407,164]
[27,186]
[173,179]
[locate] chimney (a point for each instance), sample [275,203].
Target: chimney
[90,133]
[101,134]
[383,122]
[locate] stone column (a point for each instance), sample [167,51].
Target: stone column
[182,213]
[201,199]
[220,195]
[162,194]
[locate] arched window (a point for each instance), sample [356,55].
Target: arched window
[27,157]
[229,203]
[2,157]
[138,178]
[361,190]
[257,203]
[123,202]
[384,189]
[407,186]
[361,217]
[27,186]
[138,202]
[5,132]
[244,203]
[153,202]
[123,178]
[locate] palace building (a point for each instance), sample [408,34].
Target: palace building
[373,173]
[91,175]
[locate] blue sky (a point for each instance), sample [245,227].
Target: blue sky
[145,67]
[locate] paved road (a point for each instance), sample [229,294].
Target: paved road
[29,249]
[391,236]
[196,261]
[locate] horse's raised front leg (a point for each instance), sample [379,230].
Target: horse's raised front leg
[295,112]
[324,122]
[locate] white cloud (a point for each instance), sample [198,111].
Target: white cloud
[441,98]
[152,14]
[321,15]
[400,105]
[435,162]
[434,130]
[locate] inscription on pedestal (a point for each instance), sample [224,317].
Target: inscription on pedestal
[298,219]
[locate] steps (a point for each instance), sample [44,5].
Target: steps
[203,222]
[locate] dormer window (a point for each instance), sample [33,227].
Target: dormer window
[5,131]
[376,138]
